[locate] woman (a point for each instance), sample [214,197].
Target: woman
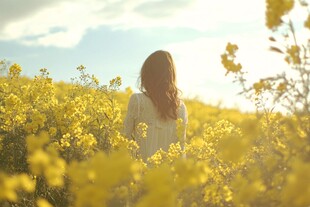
[158,106]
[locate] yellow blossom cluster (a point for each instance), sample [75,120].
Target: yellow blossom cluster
[10,184]
[141,130]
[261,86]
[293,55]
[307,22]
[275,9]
[14,71]
[92,180]
[45,162]
[228,59]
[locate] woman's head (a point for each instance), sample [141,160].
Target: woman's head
[158,81]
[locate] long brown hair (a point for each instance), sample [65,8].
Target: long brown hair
[158,81]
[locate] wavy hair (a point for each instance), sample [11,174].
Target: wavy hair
[158,81]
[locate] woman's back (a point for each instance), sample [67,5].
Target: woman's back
[158,106]
[160,133]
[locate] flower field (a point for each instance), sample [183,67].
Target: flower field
[62,144]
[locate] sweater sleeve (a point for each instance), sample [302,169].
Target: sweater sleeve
[131,116]
[184,116]
[183,113]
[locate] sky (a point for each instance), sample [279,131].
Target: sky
[113,38]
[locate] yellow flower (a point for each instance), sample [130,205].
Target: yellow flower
[52,131]
[228,59]
[26,183]
[115,83]
[297,190]
[36,142]
[10,184]
[231,49]
[281,87]
[95,80]
[12,100]
[65,140]
[233,148]
[7,186]
[87,142]
[293,55]
[189,173]
[275,9]
[92,180]
[246,190]
[141,130]
[43,203]
[81,68]
[38,161]
[307,22]
[259,86]
[174,151]
[227,193]
[157,158]
[160,188]
[14,71]
[55,171]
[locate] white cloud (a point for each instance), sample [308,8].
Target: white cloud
[34,23]
[61,25]
[59,39]
[13,10]
[74,18]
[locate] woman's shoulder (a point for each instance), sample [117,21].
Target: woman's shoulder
[137,94]
[140,96]
[137,97]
